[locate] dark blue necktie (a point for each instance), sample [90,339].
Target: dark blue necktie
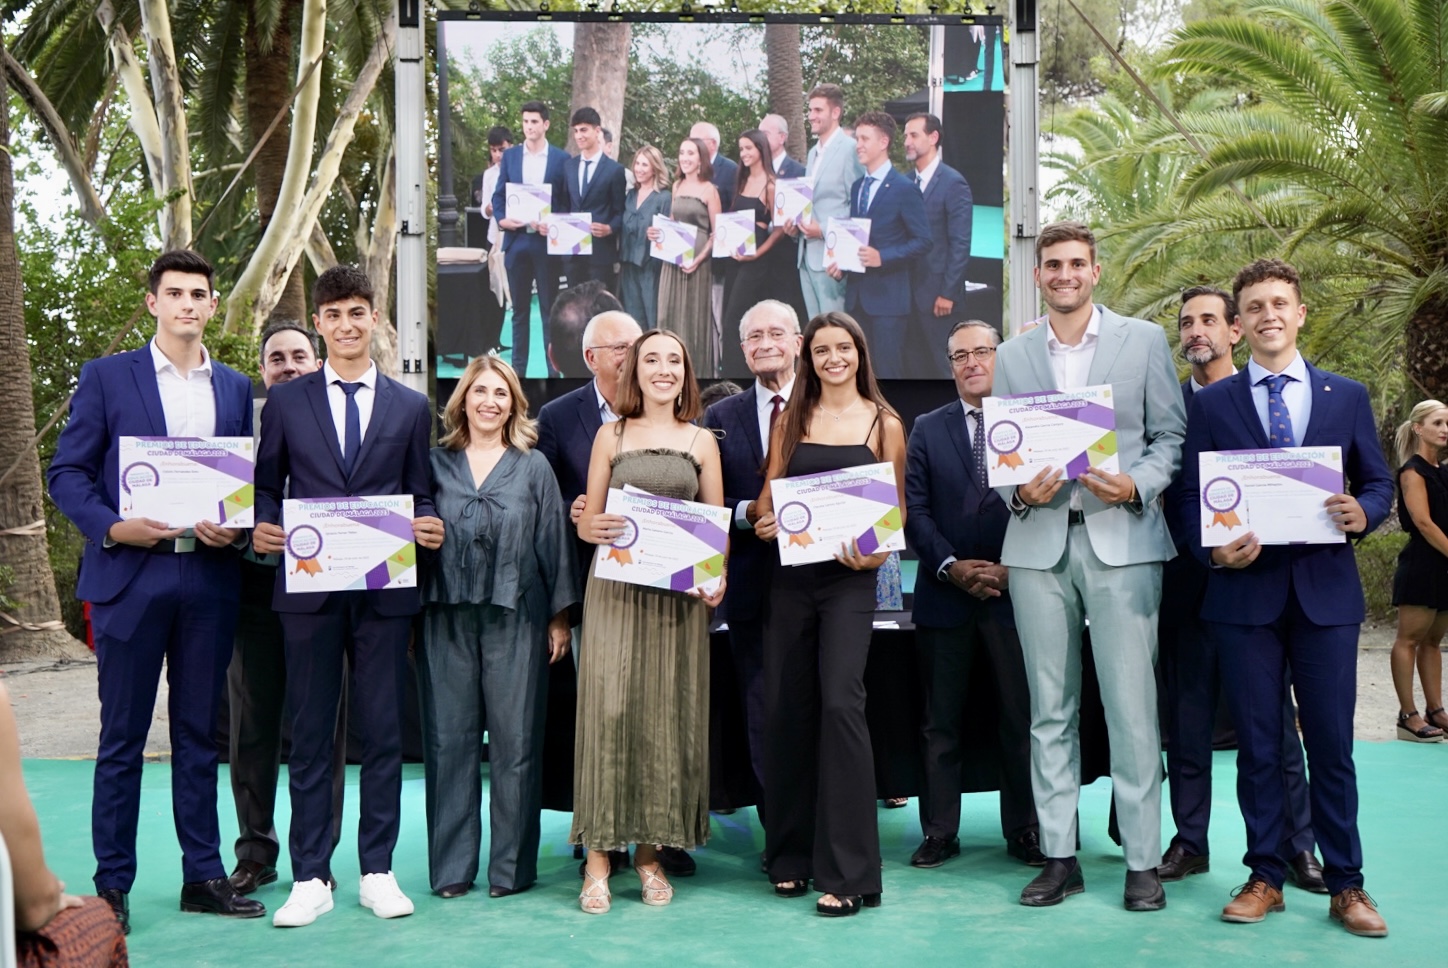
[587,170]
[1279,419]
[352,435]
[867,192]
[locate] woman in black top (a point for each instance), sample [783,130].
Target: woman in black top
[1420,587]
[819,770]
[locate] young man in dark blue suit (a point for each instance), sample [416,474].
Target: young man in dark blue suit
[156,592]
[346,430]
[879,298]
[525,244]
[1291,610]
[956,525]
[940,276]
[596,185]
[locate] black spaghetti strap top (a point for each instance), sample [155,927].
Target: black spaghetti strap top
[809,458]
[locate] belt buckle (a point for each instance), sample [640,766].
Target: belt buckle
[185,545]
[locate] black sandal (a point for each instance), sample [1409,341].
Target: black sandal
[798,887]
[1428,716]
[1428,734]
[849,905]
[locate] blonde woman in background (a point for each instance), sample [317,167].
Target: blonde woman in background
[638,280]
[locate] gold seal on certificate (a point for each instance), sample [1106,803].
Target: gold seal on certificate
[1278,494]
[820,514]
[183,480]
[1069,430]
[666,542]
[339,544]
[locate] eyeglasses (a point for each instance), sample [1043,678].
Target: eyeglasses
[617,349]
[758,336]
[961,357]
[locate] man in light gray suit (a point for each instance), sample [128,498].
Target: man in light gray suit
[1092,548]
[833,168]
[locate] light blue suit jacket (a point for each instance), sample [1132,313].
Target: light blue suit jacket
[1131,355]
[833,173]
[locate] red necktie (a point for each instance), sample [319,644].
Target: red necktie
[778,405]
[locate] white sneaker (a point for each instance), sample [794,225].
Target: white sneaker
[386,900]
[308,900]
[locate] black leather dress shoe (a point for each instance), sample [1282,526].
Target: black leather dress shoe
[1177,864]
[934,851]
[677,862]
[1304,871]
[120,904]
[454,890]
[1060,878]
[1144,891]
[1026,848]
[251,874]
[506,891]
[217,896]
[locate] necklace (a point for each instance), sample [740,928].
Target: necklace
[837,416]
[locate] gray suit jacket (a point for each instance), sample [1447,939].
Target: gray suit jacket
[833,173]
[1131,355]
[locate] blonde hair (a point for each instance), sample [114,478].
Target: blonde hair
[655,158]
[519,430]
[1407,446]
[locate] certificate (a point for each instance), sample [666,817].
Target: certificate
[667,542]
[1028,432]
[182,480]
[570,234]
[793,200]
[734,234]
[677,243]
[343,544]
[820,514]
[843,239]
[1277,494]
[527,203]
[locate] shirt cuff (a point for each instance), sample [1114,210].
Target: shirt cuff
[1017,506]
[944,566]
[741,516]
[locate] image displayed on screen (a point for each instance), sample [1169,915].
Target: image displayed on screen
[691,170]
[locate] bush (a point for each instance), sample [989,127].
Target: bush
[1377,559]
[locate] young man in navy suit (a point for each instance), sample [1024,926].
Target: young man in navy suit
[956,525]
[346,430]
[596,185]
[940,276]
[156,592]
[525,244]
[879,299]
[1290,611]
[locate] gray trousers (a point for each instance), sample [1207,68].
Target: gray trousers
[476,658]
[1051,607]
[821,293]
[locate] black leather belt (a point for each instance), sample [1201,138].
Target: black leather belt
[1076,517]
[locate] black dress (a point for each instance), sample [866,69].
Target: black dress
[1422,575]
[774,275]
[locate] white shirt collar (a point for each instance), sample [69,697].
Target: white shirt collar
[591,158]
[1093,330]
[368,379]
[764,397]
[879,173]
[929,171]
[161,363]
[1297,369]
[820,144]
[1198,388]
[778,161]
[603,405]
[536,154]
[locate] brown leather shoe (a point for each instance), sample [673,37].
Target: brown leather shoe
[1358,913]
[1253,901]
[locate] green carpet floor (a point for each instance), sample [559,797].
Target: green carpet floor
[964,913]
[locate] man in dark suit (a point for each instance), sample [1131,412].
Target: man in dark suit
[956,525]
[1290,611]
[344,431]
[525,244]
[726,173]
[776,129]
[771,339]
[940,276]
[1187,656]
[879,298]
[157,592]
[596,184]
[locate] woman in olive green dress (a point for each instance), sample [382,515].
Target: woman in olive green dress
[685,300]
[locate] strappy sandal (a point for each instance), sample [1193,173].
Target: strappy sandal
[656,891]
[594,903]
[795,888]
[1428,717]
[849,905]
[1427,734]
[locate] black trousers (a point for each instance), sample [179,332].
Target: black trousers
[819,775]
[945,658]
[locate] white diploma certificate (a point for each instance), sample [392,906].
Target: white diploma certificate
[346,544]
[1065,429]
[182,480]
[843,239]
[793,200]
[1277,494]
[667,542]
[820,514]
[527,203]
[570,234]
[678,242]
[734,234]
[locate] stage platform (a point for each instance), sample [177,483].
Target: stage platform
[964,913]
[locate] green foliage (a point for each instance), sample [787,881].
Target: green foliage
[7,582]
[1377,560]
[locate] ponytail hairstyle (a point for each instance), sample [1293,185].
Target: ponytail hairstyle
[1406,442]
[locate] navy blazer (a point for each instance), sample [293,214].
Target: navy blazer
[949,211]
[1324,576]
[117,396]
[511,170]
[789,168]
[735,421]
[603,201]
[901,233]
[725,174]
[950,512]
[299,452]
[566,428]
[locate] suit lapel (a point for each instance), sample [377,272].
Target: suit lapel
[1322,404]
[588,414]
[955,419]
[1040,357]
[143,368]
[381,402]
[1241,393]
[322,410]
[1109,342]
[747,419]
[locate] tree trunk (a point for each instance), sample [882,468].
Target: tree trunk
[1425,350]
[143,112]
[375,257]
[35,628]
[786,84]
[171,116]
[600,73]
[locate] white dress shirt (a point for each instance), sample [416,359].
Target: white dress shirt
[929,173]
[1198,388]
[589,165]
[1071,366]
[490,185]
[778,161]
[337,400]
[535,165]
[605,410]
[1297,395]
[187,401]
[820,145]
[763,407]
[870,187]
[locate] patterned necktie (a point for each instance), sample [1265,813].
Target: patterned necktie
[1279,420]
[867,193]
[977,446]
[916,177]
[352,435]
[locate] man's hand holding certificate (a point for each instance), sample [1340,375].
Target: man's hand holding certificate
[570,234]
[666,543]
[349,543]
[1281,496]
[677,242]
[183,480]
[819,515]
[844,238]
[1070,430]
